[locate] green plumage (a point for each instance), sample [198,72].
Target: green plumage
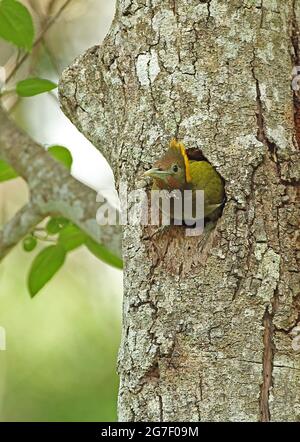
[175,171]
[205,177]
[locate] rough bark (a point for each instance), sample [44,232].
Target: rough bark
[208,334]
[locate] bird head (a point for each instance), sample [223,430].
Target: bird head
[171,171]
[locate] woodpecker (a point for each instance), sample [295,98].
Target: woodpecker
[176,171]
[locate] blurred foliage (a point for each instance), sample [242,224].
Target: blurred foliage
[34,86]
[61,347]
[16,26]
[6,172]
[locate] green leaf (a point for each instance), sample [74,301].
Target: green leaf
[71,237]
[16,25]
[44,266]
[102,253]
[29,243]
[61,154]
[34,86]
[6,172]
[54,225]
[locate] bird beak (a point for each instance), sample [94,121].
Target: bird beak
[156,173]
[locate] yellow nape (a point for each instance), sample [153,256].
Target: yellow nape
[179,147]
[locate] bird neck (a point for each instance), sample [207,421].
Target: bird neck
[170,183]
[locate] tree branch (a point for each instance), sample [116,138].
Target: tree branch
[53,191]
[22,223]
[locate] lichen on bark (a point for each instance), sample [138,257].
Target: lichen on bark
[207,334]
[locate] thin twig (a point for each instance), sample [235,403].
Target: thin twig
[19,226]
[7,92]
[39,39]
[50,6]
[53,191]
[51,57]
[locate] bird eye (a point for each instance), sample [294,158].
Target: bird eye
[175,168]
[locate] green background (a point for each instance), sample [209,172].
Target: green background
[61,346]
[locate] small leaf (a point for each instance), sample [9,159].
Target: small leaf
[29,243]
[34,86]
[6,172]
[44,266]
[102,253]
[54,225]
[16,25]
[61,154]
[71,237]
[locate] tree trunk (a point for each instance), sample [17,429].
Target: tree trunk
[208,333]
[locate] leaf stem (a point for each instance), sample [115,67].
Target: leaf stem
[7,92]
[44,238]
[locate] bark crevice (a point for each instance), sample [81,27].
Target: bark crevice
[296,64]
[217,76]
[268,360]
